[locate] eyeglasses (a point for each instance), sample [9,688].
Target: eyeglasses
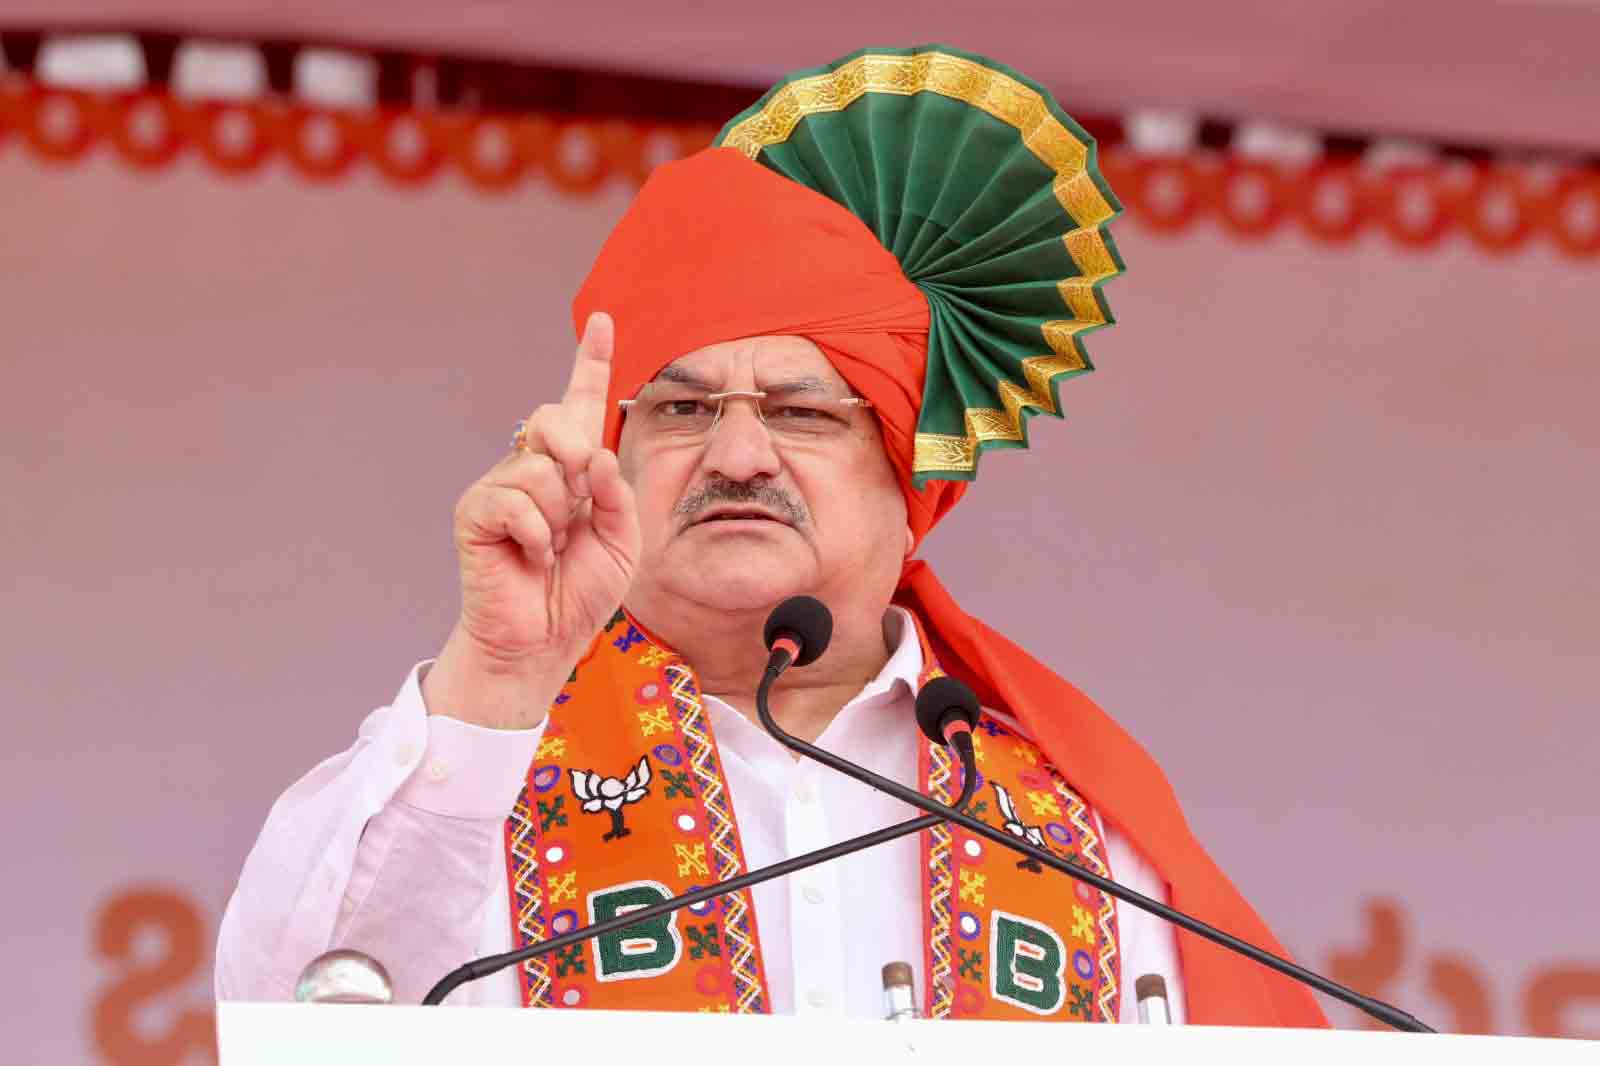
[673,410]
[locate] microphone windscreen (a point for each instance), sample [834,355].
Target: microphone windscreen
[940,698]
[806,619]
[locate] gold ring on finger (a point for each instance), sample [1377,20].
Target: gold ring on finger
[519,439]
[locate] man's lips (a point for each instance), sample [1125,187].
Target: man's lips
[737,513]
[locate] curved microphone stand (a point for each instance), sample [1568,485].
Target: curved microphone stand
[1384,1012]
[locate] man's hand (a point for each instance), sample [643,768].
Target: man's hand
[547,541]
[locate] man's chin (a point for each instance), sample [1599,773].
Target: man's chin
[745,574]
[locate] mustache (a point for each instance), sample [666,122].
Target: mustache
[722,490]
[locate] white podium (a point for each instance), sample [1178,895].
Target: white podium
[289,1034]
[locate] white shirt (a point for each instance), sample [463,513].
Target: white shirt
[396,848]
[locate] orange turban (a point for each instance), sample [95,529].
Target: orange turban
[716,248]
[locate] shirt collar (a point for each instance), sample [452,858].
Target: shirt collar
[899,675]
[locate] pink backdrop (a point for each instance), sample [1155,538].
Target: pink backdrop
[1322,532]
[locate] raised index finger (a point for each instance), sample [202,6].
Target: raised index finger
[591,376]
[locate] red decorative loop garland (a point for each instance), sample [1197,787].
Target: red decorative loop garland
[1499,208]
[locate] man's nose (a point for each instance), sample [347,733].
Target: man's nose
[740,447]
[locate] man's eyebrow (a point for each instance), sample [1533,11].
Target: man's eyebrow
[786,388]
[676,374]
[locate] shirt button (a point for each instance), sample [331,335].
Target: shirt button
[812,893]
[436,771]
[402,754]
[817,998]
[804,791]
[346,905]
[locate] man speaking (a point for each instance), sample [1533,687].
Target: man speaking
[794,349]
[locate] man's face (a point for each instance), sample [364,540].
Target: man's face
[738,515]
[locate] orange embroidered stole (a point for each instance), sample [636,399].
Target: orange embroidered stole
[626,804]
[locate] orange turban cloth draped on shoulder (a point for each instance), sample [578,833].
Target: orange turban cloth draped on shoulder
[935,225]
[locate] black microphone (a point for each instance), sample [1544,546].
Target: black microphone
[798,629]
[796,637]
[1384,1012]
[947,712]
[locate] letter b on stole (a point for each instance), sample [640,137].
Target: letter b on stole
[1029,963]
[645,949]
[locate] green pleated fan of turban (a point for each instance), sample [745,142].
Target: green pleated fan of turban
[990,197]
